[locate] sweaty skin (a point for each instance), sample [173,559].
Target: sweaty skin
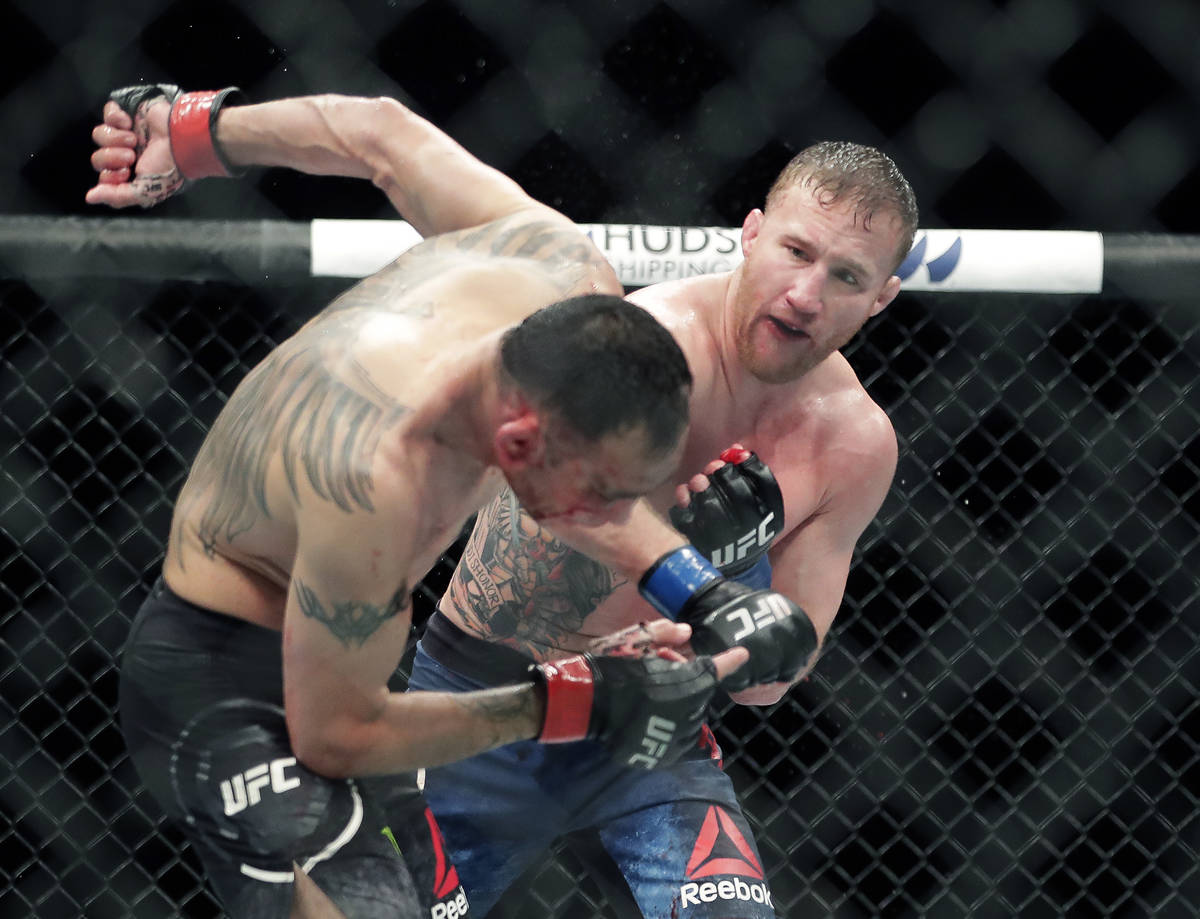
[308,507]
[762,344]
[345,416]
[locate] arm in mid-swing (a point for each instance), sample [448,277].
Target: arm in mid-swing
[433,182]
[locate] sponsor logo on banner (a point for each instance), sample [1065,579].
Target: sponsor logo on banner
[721,849]
[648,254]
[939,266]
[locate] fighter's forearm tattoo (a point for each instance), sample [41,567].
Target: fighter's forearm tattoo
[519,584]
[350,623]
[500,708]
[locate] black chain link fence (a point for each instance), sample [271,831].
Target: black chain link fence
[1005,720]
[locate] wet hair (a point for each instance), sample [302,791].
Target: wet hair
[839,170]
[601,365]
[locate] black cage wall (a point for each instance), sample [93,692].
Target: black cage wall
[1005,720]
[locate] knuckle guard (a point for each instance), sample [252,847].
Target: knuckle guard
[654,707]
[776,632]
[130,98]
[734,521]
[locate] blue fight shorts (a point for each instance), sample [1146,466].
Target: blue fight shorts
[677,834]
[201,711]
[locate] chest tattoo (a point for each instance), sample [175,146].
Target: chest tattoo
[519,584]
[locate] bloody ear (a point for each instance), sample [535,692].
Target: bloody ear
[518,441]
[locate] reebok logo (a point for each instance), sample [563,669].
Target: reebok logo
[736,889]
[451,909]
[735,551]
[245,789]
[722,849]
[445,877]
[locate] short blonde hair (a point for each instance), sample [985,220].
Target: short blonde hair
[840,170]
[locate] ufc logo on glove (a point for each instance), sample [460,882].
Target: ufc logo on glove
[659,732]
[767,609]
[758,538]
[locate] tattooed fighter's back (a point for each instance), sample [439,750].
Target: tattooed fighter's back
[342,419]
[255,697]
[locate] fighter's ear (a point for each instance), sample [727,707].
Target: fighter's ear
[886,295]
[519,441]
[750,227]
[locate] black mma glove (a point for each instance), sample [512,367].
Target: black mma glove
[734,521]
[194,152]
[778,634]
[685,587]
[646,709]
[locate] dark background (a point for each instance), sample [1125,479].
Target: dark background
[1005,720]
[1038,114]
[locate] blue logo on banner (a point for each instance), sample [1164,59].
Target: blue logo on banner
[939,268]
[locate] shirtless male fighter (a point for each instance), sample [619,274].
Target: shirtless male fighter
[254,686]
[763,343]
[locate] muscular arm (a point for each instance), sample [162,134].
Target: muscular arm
[811,563]
[433,182]
[346,626]
[628,545]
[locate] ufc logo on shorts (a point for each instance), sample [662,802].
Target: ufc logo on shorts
[245,790]
[659,732]
[736,551]
[767,609]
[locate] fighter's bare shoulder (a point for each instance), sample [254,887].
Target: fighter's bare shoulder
[678,301]
[846,440]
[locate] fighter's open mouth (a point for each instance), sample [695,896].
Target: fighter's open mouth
[790,331]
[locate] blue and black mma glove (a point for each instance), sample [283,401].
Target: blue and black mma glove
[646,709]
[735,524]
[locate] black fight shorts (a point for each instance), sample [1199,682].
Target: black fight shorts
[201,711]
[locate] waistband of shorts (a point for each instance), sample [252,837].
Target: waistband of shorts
[483,661]
[165,613]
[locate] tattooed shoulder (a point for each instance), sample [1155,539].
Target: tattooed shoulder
[517,583]
[311,406]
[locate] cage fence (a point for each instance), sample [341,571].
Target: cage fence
[1004,721]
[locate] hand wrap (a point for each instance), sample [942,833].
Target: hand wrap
[648,710]
[190,126]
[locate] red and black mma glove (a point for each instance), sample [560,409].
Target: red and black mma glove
[734,521]
[646,709]
[190,125]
